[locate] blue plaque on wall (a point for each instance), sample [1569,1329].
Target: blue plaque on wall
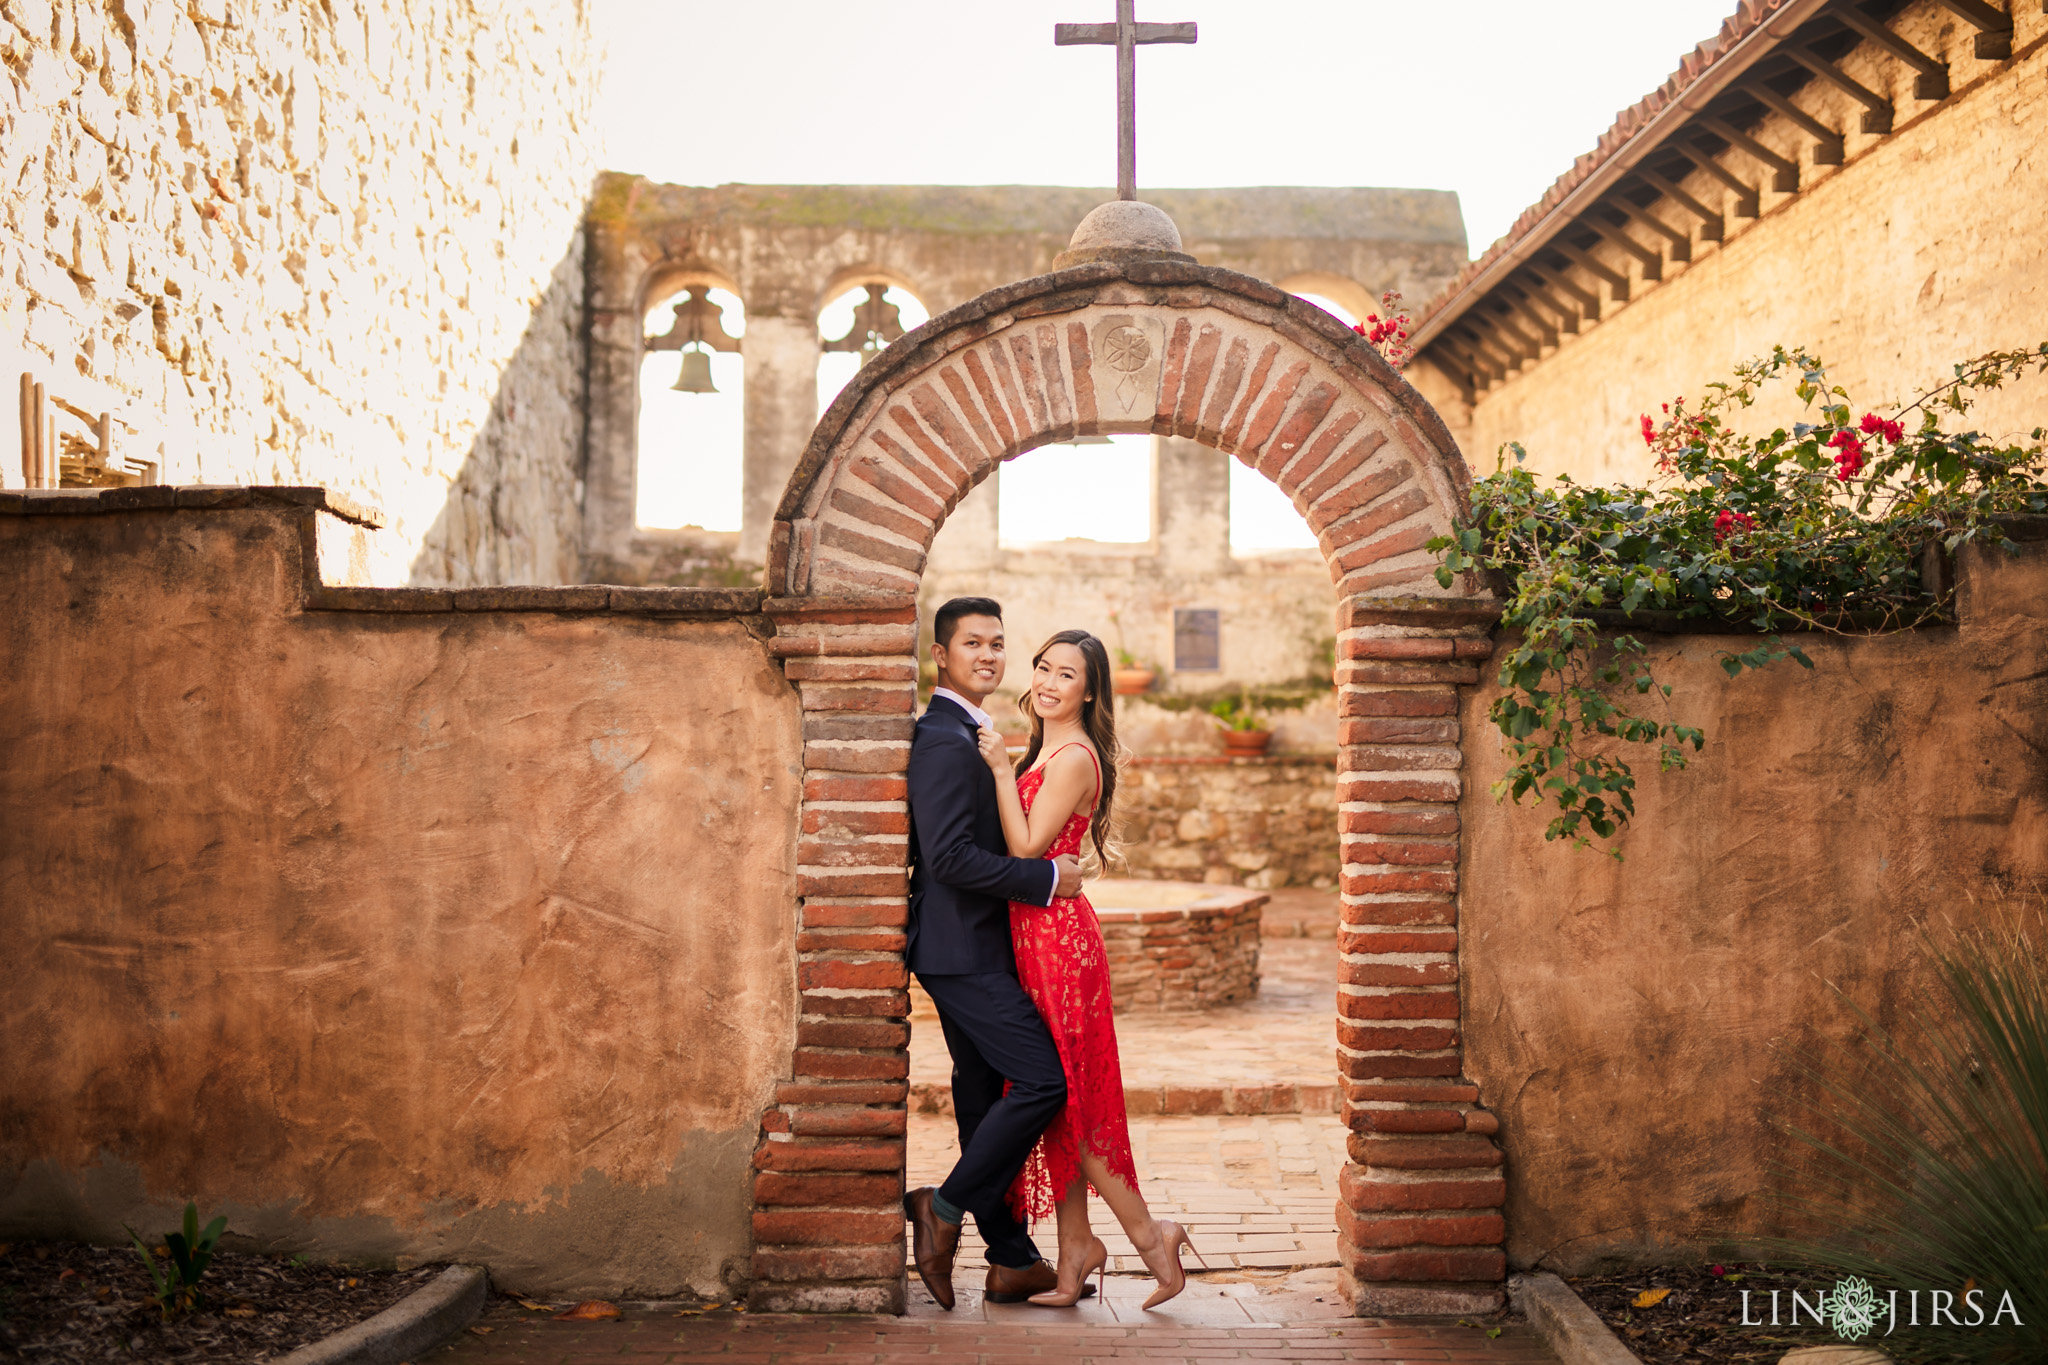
[1197,644]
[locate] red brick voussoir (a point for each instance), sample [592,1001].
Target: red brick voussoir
[1205,354]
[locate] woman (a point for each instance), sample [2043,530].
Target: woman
[1059,800]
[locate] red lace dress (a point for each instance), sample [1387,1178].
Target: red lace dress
[1064,969]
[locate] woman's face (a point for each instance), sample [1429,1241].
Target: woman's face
[1059,684]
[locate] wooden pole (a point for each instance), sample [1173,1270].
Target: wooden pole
[1126,99]
[46,437]
[28,430]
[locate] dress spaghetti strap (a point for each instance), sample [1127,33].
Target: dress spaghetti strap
[1087,749]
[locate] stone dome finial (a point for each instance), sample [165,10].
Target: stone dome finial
[1123,230]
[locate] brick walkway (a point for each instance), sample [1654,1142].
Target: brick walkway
[1272,1055]
[1196,1330]
[1257,1188]
[1255,1191]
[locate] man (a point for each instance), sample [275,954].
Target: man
[961,882]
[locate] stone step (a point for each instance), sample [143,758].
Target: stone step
[1149,1100]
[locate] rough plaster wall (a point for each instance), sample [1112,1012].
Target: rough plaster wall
[1918,253]
[306,243]
[1623,1019]
[463,936]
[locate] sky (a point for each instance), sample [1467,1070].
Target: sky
[1489,98]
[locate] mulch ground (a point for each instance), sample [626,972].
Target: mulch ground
[1701,1318]
[60,1301]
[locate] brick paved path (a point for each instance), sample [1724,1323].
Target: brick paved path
[1255,1191]
[653,1335]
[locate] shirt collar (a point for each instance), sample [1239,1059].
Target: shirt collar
[974,713]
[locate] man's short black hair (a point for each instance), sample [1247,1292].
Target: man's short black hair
[949,615]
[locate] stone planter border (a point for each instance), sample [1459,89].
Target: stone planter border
[407,1330]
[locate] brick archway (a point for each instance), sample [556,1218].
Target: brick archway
[1179,350]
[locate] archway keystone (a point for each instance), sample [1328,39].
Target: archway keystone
[1178,350]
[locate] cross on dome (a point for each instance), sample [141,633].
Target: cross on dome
[1126,35]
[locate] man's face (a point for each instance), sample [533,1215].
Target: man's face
[972,663]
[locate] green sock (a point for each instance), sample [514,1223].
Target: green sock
[948,1211]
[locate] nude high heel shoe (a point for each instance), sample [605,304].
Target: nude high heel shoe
[1094,1263]
[1172,1237]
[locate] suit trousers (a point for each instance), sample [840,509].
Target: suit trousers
[995,1035]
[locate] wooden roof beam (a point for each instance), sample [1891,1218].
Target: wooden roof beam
[1932,81]
[1786,179]
[1713,223]
[1516,305]
[1681,242]
[1567,316]
[1595,267]
[1485,366]
[1746,199]
[1652,261]
[1994,27]
[1877,110]
[1827,143]
[1508,337]
[1503,360]
[1459,367]
[1588,299]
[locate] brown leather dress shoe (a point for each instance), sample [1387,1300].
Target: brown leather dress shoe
[932,1243]
[1005,1285]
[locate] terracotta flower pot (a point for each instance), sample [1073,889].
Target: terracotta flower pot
[1246,743]
[1129,682]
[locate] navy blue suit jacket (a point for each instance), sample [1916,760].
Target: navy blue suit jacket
[962,878]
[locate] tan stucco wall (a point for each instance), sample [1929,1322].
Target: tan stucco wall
[1622,1018]
[447,936]
[313,243]
[1920,251]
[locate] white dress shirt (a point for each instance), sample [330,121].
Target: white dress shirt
[974,713]
[981,717]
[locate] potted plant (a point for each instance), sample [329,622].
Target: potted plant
[1244,728]
[1130,677]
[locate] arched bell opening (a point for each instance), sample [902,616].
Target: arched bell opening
[862,314]
[692,387]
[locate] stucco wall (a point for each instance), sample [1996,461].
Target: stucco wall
[1894,266]
[1624,1019]
[436,934]
[293,243]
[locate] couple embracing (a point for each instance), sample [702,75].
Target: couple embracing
[1008,949]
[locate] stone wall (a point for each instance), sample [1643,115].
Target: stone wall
[1892,266]
[388,923]
[335,244]
[1196,955]
[1257,822]
[1636,1024]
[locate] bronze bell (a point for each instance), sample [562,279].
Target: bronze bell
[695,376]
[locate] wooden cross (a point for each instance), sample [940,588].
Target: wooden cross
[1127,34]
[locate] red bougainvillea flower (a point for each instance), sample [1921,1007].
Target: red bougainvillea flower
[1849,457]
[1890,432]
[1649,431]
[1728,521]
[1717,1271]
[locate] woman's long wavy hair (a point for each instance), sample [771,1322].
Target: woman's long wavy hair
[1098,722]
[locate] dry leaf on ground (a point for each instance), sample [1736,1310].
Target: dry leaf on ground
[590,1310]
[1649,1298]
